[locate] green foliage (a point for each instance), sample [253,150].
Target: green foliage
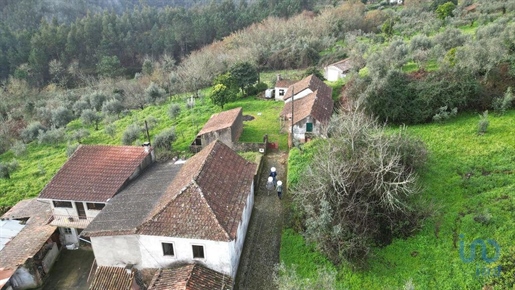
[314,71]
[173,111]
[466,177]
[71,148]
[483,123]
[112,107]
[51,137]
[221,95]
[445,10]
[244,74]
[444,115]
[109,66]
[131,134]
[19,148]
[164,139]
[501,104]
[32,131]
[79,135]
[387,27]
[110,130]
[91,117]
[154,93]
[61,116]
[6,169]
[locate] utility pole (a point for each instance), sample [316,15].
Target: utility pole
[292,99]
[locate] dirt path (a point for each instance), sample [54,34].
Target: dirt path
[262,243]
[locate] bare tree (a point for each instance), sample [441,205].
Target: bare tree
[356,190]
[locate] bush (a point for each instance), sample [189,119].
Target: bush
[90,117]
[173,111]
[444,115]
[31,132]
[71,148]
[483,123]
[61,117]
[51,137]
[80,106]
[7,168]
[96,101]
[112,107]
[131,134]
[357,190]
[110,130]
[165,139]
[80,134]
[501,104]
[19,148]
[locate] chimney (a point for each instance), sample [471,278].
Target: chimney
[128,268]
[146,146]
[279,77]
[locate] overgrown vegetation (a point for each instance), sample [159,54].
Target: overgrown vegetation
[467,184]
[356,190]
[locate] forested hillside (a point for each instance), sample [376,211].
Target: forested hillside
[41,39]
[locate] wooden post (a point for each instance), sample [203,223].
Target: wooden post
[292,99]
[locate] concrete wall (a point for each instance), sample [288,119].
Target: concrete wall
[333,73]
[116,250]
[224,135]
[50,258]
[299,129]
[242,231]
[146,252]
[278,95]
[237,128]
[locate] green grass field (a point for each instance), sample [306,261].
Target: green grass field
[469,182]
[41,162]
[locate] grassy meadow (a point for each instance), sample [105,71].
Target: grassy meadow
[469,183]
[41,162]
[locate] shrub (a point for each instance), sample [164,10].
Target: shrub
[96,100]
[131,134]
[7,168]
[80,134]
[80,106]
[19,148]
[112,107]
[61,116]
[51,137]
[151,122]
[90,117]
[444,115]
[110,130]
[164,139]
[71,148]
[501,104]
[32,131]
[174,110]
[154,93]
[483,123]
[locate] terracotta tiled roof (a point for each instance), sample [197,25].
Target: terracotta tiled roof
[128,209]
[283,83]
[318,106]
[190,277]
[206,198]
[94,173]
[31,238]
[221,120]
[344,65]
[112,278]
[311,82]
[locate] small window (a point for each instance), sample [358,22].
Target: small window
[309,127]
[62,204]
[95,206]
[281,92]
[198,252]
[67,231]
[168,249]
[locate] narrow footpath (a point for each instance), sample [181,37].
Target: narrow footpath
[263,241]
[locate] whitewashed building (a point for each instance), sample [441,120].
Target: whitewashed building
[172,214]
[337,70]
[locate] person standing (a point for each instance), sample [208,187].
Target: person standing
[273,173]
[279,189]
